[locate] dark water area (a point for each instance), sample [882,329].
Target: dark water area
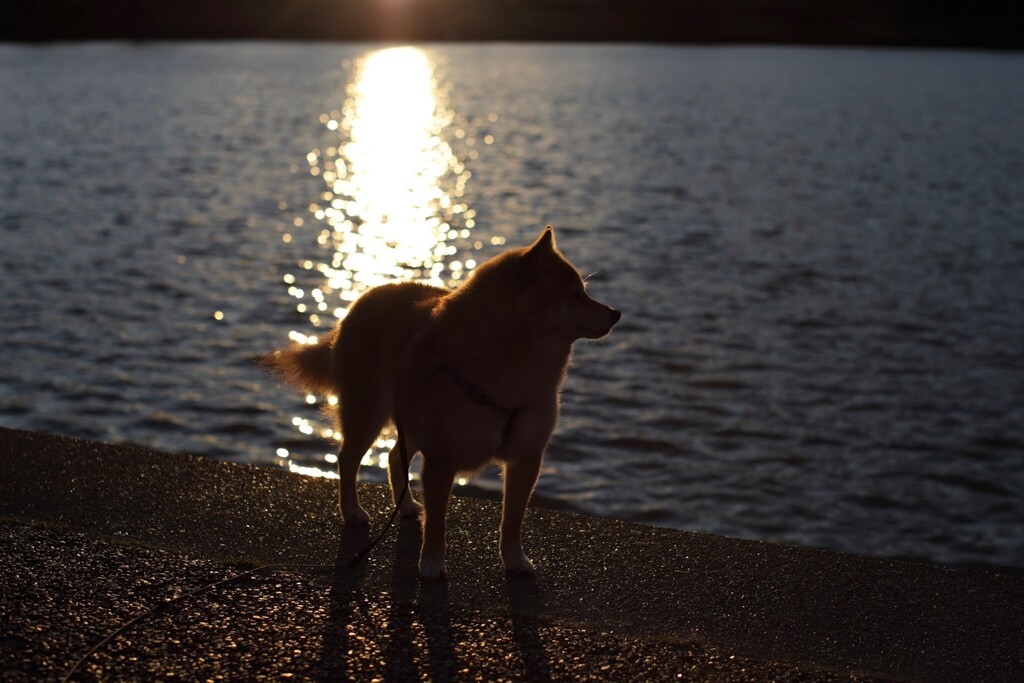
[819,256]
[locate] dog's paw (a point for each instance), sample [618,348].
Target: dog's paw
[517,563]
[356,516]
[410,508]
[431,569]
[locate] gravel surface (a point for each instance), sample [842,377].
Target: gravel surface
[66,591]
[601,584]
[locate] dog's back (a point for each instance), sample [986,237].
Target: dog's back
[362,355]
[371,341]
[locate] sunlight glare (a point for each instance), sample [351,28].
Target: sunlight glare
[387,213]
[392,202]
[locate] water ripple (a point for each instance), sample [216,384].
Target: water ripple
[822,318]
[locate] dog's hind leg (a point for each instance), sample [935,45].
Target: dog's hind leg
[352,450]
[398,477]
[437,488]
[361,422]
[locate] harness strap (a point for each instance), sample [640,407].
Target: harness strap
[480,398]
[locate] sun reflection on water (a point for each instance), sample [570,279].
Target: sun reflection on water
[392,207]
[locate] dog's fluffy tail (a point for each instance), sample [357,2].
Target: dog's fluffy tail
[306,366]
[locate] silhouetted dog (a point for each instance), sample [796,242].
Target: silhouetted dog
[470,375]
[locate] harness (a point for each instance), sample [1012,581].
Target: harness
[480,398]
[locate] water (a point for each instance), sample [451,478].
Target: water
[819,255]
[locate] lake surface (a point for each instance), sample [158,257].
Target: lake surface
[819,257]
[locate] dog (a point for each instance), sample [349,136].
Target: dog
[470,376]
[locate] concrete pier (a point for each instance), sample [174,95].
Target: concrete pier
[95,534]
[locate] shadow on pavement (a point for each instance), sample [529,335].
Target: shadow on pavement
[525,605]
[343,592]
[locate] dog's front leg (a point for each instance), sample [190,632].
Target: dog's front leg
[520,477]
[437,488]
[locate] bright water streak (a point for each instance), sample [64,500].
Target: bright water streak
[392,193]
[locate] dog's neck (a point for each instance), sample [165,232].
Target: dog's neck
[506,356]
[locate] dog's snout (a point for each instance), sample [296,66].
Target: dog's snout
[615,316]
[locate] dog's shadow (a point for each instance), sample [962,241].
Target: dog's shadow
[345,583]
[406,610]
[422,612]
[412,617]
[525,605]
[419,639]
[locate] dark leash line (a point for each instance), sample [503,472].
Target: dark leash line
[164,604]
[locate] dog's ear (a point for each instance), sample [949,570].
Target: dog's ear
[541,255]
[545,244]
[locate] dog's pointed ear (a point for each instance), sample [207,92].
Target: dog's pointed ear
[545,244]
[541,254]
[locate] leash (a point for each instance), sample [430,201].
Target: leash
[164,604]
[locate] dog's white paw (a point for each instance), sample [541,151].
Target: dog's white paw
[356,516]
[431,569]
[410,508]
[517,563]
